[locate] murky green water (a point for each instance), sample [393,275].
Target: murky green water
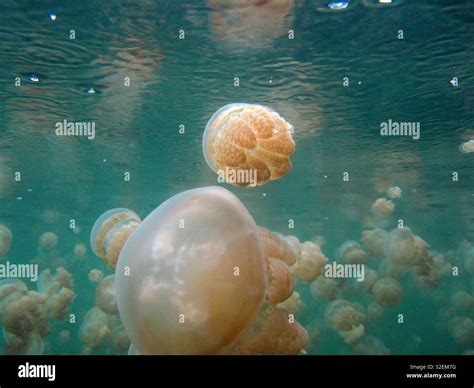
[334,75]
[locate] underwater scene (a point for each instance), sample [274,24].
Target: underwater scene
[237,177]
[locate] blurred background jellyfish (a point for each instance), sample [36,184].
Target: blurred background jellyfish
[80,249]
[95,275]
[382,208]
[324,288]
[5,240]
[370,345]
[48,241]
[105,295]
[374,311]
[461,300]
[251,23]
[400,246]
[347,319]
[198,276]
[388,292]
[394,192]
[351,252]
[110,232]
[461,330]
[374,242]
[95,329]
[248,145]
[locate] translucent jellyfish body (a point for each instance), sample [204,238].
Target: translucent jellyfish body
[382,208]
[110,232]
[462,330]
[374,242]
[400,246]
[347,319]
[48,241]
[5,240]
[105,295]
[248,145]
[351,252]
[310,262]
[388,292]
[194,278]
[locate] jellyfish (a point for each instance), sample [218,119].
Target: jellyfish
[58,303]
[461,300]
[110,232]
[119,341]
[469,261]
[48,241]
[400,246]
[194,278]
[105,295]
[370,345]
[324,288]
[310,262]
[352,253]
[374,242]
[462,330]
[5,240]
[29,344]
[370,278]
[96,328]
[467,147]
[80,250]
[388,292]
[347,319]
[429,272]
[64,336]
[293,305]
[95,275]
[248,145]
[49,284]
[374,311]
[382,208]
[10,290]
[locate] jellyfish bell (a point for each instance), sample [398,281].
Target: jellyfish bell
[388,292]
[462,330]
[400,246]
[374,241]
[105,295]
[48,241]
[248,145]
[461,300]
[198,280]
[110,232]
[382,208]
[310,262]
[80,250]
[352,253]
[5,240]
[95,275]
[324,288]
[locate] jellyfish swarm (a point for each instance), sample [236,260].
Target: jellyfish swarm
[198,276]
[248,145]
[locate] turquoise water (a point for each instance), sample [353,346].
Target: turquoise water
[181,82]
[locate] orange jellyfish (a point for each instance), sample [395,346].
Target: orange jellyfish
[110,231]
[198,276]
[352,253]
[248,145]
[373,241]
[388,292]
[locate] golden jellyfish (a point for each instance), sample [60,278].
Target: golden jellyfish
[370,278]
[467,147]
[400,246]
[429,272]
[461,300]
[5,240]
[382,208]
[293,305]
[110,232]
[351,252]
[105,295]
[388,292]
[347,319]
[387,269]
[10,290]
[48,241]
[30,344]
[248,145]
[394,192]
[371,346]
[119,341]
[310,262]
[374,311]
[324,288]
[95,275]
[462,330]
[96,328]
[374,242]
[199,279]
[80,250]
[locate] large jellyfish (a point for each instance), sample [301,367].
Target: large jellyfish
[248,145]
[198,276]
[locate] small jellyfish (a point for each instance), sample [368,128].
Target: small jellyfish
[48,241]
[461,300]
[64,336]
[324,288]
[58,303]
[347,319]
[293,305]
[352,253]
[95,329]
[175,300]
[382,208]
[95,275]
[462,330]
[374,242]
[105,295]
[110,232]
[310,262]
[394,192]
[388,292]
[469,261]
[119,341]
[400,246]
[5,240]
[80,250]
[374,311]
[467,147]
[248,145]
